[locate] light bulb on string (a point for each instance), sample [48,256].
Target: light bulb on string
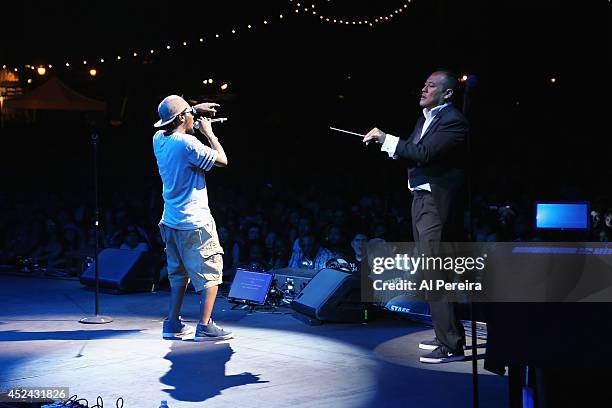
[41,71]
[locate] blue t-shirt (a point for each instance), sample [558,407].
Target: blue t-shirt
[182,160]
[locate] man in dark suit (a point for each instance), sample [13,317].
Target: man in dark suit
[435,154]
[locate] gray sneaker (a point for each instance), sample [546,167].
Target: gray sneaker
[211,332]
[175,330]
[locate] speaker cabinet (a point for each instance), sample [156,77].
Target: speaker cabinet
[122,270]
[331,295]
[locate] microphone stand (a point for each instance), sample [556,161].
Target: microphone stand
[471,82]
[97,319]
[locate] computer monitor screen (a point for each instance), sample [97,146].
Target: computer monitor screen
[250,287]
[562,215]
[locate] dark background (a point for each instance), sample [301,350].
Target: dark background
[293,78]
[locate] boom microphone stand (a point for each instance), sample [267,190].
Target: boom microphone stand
[97,319]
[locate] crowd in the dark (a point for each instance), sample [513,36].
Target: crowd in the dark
[260,227]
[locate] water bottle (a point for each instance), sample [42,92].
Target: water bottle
[164,404]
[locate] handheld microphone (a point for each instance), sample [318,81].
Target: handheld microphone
[196,125]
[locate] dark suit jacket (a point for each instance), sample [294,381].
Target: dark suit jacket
[439,158]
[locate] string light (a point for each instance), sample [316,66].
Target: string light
[185,43]
[41,71]
[224,87]
[357,21]
[29,80]
[553,80]
[93,72]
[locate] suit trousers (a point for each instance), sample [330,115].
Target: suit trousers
[427,227]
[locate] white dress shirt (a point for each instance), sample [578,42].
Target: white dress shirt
[391,141]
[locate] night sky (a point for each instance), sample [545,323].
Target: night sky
[289,80]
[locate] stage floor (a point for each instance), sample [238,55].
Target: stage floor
[274,361]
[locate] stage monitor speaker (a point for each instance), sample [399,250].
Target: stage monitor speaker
[331,295]
[122,270]
[291,281]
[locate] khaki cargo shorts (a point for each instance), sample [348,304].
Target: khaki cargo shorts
[194,255]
